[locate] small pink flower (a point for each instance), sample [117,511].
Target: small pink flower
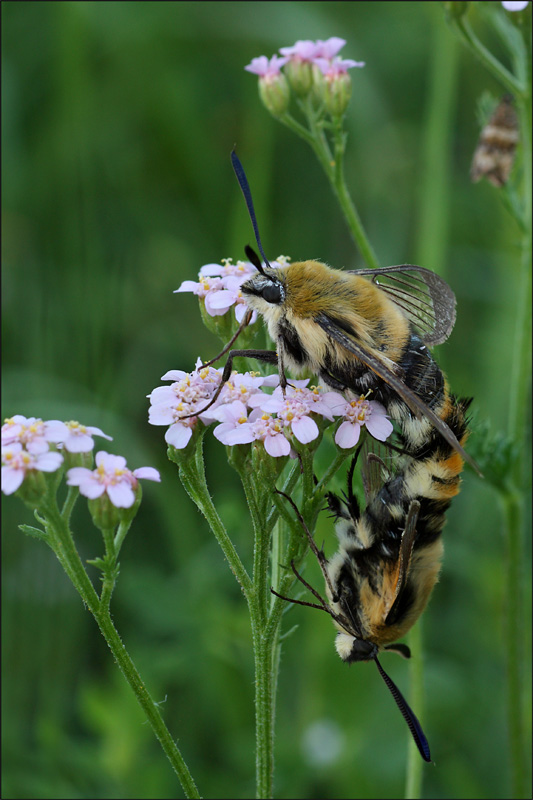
[218,286]
[188,394]
[204,288]
[73,436]
[514,5]
[246,388]
[266,68]
[303,50]
[16,462]
[330,47]
[293,410]
[29,432]
[264,428]
[232,416]
[227,296]
[358,413]
[242,269]
[112,477]
[297,393]
[337,66]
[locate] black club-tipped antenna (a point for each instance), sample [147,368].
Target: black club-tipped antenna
[408,714]
[245,188]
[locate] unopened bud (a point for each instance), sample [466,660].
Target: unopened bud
[275,93]
[336,91]
[33,489]
[300,76]
[105,515]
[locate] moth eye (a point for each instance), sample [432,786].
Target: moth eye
[272,293]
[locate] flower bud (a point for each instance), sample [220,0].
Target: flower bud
[275,93]
[336,92]
[223,326]
[128,514]
[265,467]
[78,459]
[33,489]
[105,515]
[300,76]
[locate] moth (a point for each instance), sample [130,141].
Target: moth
[380,580]
[366,331]
[495,151]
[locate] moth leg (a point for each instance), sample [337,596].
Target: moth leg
[281,367]
[320,557]
[245,321]
[268,356]
[329,380]
[323,604]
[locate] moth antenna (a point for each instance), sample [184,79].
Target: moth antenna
[408,714]
[245,188]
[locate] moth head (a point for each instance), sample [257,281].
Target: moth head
[351,649]
[265,290]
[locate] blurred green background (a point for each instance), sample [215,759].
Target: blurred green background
[118,121]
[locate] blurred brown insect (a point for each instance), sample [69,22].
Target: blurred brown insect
[495,151]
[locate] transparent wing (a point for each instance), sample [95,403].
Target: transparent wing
[425,299]
[417,406]
[381,461]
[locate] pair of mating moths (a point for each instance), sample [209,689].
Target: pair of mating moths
[369,330]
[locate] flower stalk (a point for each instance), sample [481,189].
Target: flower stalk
[511,490]
[61,541]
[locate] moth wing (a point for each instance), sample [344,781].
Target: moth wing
[404,559]
[417,406]
[380,464]
[425,298]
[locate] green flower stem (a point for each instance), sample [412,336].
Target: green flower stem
[520,379]
[287,487]
[502,74]
[151,710]
[264,708]
[434,205]
[335,174]
[264,650]
[62,543]
[68,505]
[415,765]
[335,465]
[514,512]
[120,535]
[110,571]
[266,617]
[267,659]
[192,475]
[512,499]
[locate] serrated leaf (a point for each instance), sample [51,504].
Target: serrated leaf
[35,532]
[97,562]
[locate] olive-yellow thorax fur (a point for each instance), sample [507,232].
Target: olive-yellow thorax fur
[310,288]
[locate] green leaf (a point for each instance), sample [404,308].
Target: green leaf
[37,533]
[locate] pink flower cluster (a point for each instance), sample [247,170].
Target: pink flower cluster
[110,477]
[219,286]
[247,413]
[321,53]
[26,446]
